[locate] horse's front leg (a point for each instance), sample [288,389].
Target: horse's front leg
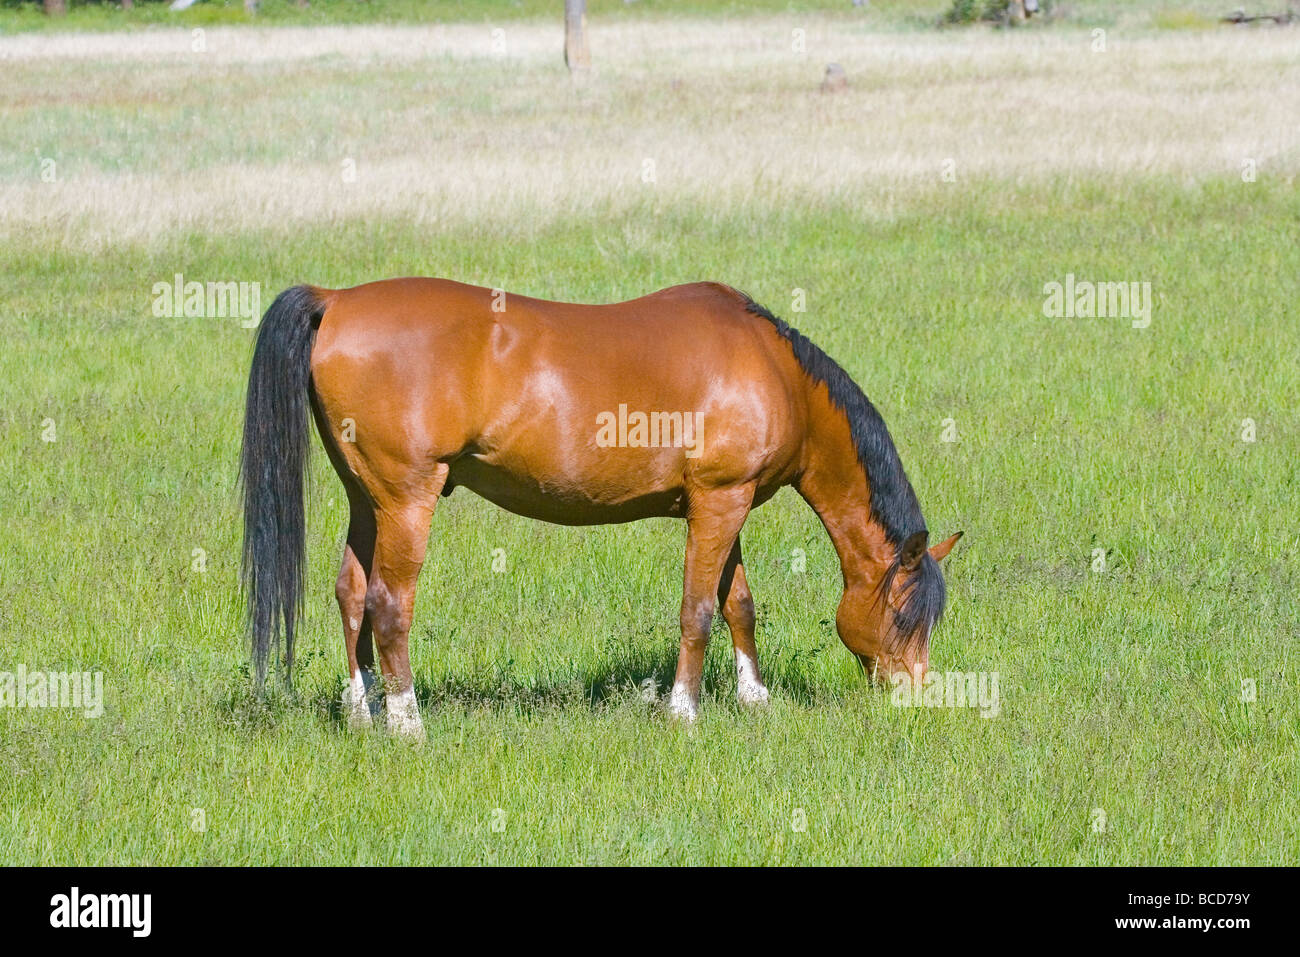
[713,518]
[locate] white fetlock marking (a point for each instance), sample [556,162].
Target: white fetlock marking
[404,714]
[749,690]
[354,699]
[682,705]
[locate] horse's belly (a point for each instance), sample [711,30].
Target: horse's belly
[569,500]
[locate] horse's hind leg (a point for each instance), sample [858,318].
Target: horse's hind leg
[350,589]
[401,537]
[738,609]
[354,574]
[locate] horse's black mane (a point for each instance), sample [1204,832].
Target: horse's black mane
[893,502]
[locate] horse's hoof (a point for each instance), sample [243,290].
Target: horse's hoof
[749,687]
[357,710]
[404,715]
[681,706]
[406,727]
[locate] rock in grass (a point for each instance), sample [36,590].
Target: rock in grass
[835,80]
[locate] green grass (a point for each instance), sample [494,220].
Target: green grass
[27,15]
[1121,691]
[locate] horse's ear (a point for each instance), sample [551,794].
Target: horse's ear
[940,551]
[913,547]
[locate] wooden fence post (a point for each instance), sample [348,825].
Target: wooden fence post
[576,54]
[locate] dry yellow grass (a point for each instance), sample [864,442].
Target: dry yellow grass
[458,123]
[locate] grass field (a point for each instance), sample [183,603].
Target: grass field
[27,15]
[1170,159]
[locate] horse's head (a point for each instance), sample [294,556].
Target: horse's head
[888,626]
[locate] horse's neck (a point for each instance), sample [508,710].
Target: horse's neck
[835,485]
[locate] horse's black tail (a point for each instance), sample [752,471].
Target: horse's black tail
[273,471]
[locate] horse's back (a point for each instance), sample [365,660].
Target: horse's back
[678,339]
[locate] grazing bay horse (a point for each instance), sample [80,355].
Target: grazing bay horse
[693,402]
